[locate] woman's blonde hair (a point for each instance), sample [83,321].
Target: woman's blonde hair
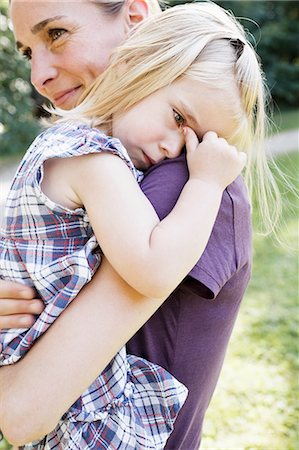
[204,42]
[112,7]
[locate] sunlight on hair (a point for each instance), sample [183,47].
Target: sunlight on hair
[204,42]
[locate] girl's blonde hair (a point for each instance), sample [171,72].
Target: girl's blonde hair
[203,42]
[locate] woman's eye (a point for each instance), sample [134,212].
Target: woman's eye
[27,54]
[56,33]
[179,119]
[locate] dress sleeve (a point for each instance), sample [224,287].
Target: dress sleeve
[163,184]
[68,140]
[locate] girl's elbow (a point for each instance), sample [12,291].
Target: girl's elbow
[150,279]
[155,288]
[156,292]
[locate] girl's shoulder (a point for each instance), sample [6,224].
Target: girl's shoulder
[66,139]
[68,132]
[62,140]
[71,128]
[69,138]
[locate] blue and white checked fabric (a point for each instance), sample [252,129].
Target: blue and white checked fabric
[133,403]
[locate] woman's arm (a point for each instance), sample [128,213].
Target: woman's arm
[18,305]
[35,392]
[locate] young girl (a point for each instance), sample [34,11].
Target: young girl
[175,91]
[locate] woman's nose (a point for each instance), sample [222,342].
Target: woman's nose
[173,145]
[42,70]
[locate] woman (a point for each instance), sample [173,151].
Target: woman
[189,334]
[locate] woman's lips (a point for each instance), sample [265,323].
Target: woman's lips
[63,96]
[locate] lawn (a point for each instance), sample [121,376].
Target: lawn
[285,120]
[255,404]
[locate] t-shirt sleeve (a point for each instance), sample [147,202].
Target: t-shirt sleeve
[163,185]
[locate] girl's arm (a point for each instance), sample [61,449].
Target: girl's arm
[36,391]
[152,256]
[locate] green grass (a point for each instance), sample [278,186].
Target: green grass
[255,405]
[285,120]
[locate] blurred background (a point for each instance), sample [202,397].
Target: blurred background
[256,402]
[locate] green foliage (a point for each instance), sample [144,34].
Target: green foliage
[4,445]
[17,125]
[273,28]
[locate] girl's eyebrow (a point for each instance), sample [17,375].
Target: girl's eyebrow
[39,27]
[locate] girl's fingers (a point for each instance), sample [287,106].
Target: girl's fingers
[209,135]
[191,139]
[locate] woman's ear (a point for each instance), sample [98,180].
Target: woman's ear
[137,11]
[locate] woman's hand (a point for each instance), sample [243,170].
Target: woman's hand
[18,305]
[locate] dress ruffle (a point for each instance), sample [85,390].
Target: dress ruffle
[58,282]
[141,418]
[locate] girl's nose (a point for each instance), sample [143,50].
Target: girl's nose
[42,70]
[173,145]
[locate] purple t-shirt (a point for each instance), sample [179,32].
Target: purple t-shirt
[190,332]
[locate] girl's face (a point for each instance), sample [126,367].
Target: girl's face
[69,42]
[152,129]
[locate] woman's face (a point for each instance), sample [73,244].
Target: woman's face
[69,42]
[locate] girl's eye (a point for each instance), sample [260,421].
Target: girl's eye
[56,33]
[179,119]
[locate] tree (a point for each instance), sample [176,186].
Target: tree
[17,125]
[274,25]
[273,28]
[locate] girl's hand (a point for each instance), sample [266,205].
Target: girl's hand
[18,305]
[213,160]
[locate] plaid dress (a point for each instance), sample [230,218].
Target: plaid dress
[133,403]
